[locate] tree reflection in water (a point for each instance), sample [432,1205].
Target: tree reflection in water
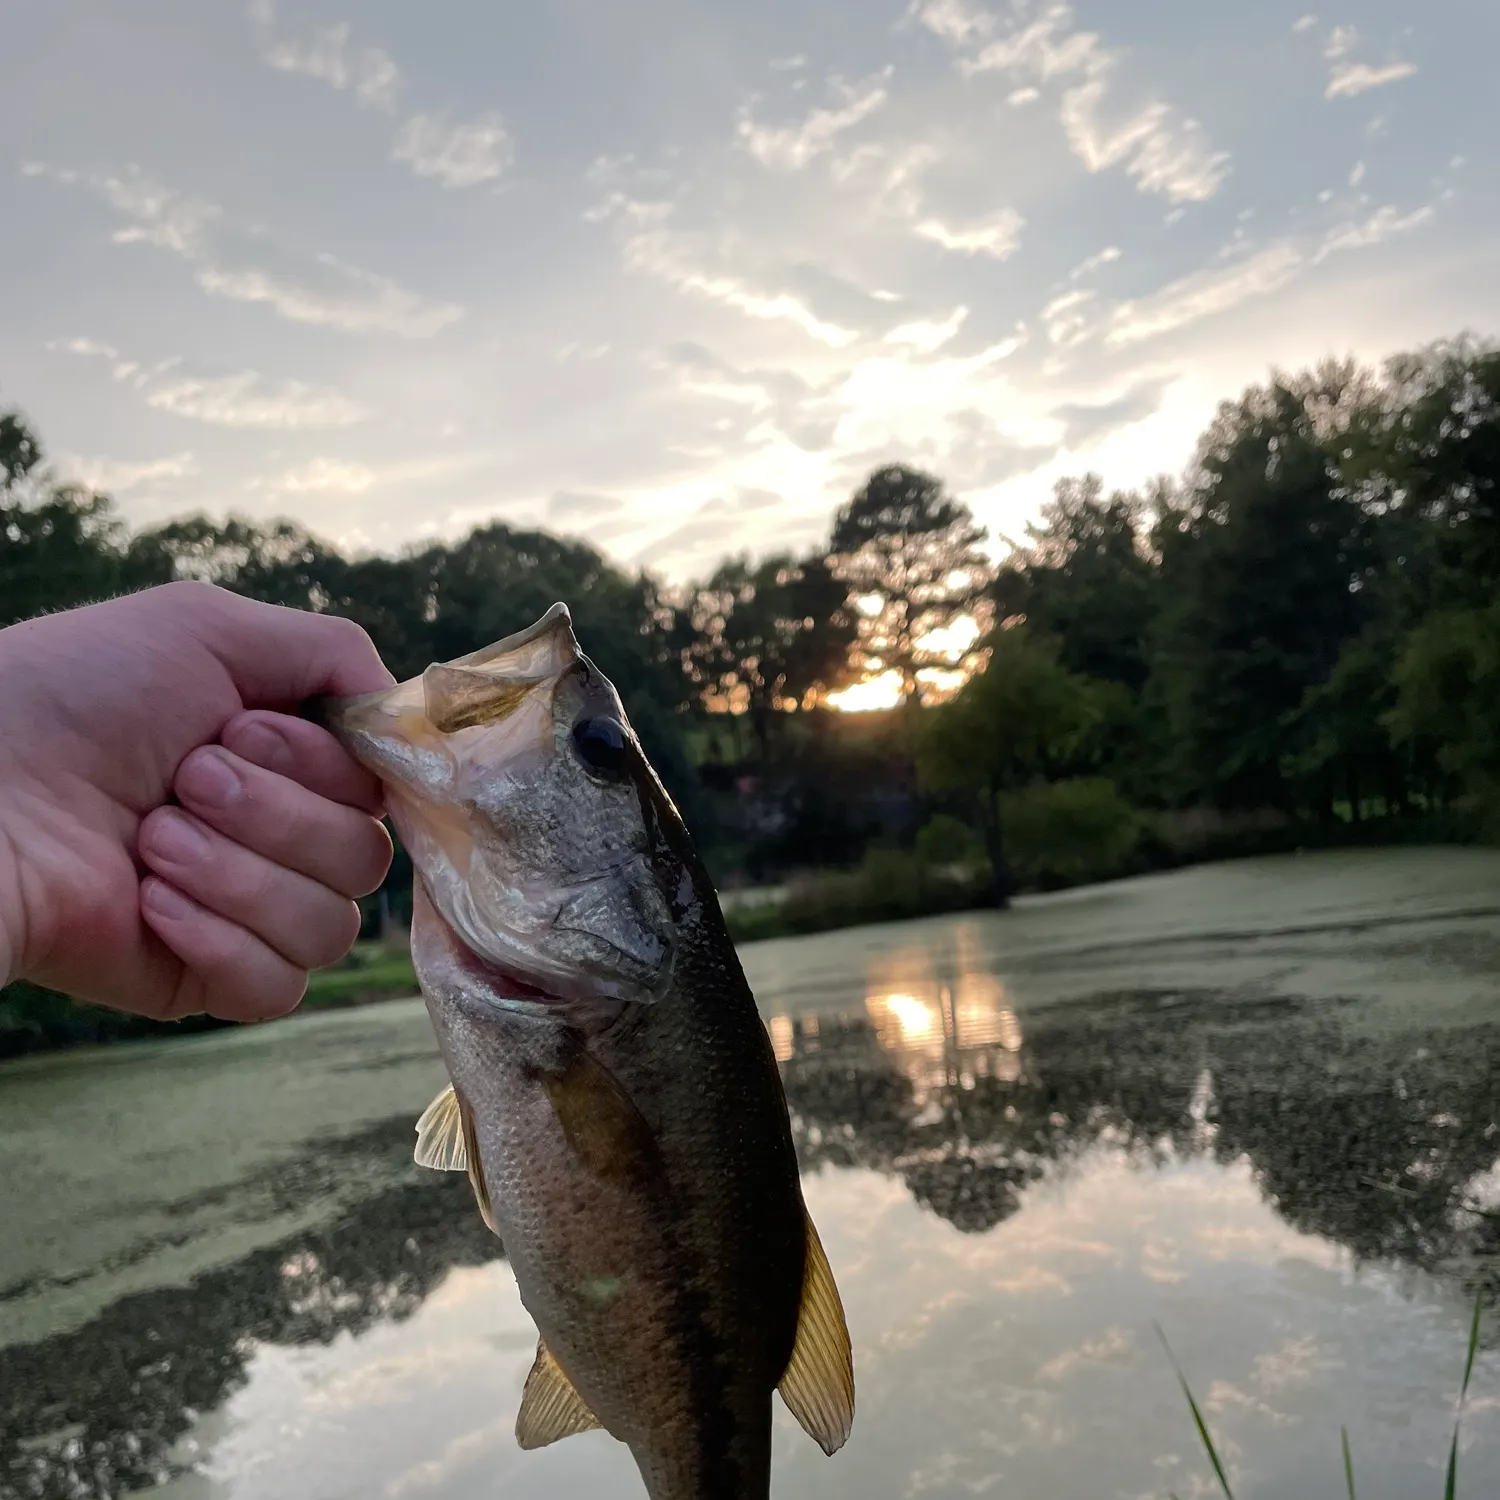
[1385,1143]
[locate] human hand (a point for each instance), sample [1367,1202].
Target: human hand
[225,901]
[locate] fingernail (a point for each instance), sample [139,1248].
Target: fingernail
[209,778]
[166,902]
[265,746]
[177,837]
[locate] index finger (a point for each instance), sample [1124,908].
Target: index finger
[303,753]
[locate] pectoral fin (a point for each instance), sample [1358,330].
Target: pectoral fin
[440,1135]
[601,1122]
[818,1386]
[550,1407]
[445,1143]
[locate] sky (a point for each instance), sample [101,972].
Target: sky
[675,277]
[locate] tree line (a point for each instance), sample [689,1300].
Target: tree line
[1302,628]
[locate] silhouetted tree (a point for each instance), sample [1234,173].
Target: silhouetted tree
[909,555]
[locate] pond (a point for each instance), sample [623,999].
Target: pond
[1256,1105]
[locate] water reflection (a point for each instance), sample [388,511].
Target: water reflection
[1164,1143]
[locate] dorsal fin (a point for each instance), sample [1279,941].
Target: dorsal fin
[440,1135]
[550,1407]
[818,1386]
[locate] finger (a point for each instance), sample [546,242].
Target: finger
[337,846]
[232,974]
[276,655]
[308,924]
[305,753]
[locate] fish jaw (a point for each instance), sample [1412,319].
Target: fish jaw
[541,869]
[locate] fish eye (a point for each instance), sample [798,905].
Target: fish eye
[601,746]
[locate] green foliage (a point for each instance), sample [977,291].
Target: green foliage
[1067,832]
[887,887]
[946,840]
[1447,701]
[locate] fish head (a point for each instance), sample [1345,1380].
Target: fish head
[522,795]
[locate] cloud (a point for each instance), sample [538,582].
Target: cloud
[650,246]
[246,263]
[1065,319]
[1104,257]
[1380,225]
[458,156]
[1164,152]
[926,335]
[957,21]
[997,236]
[240,399]
[1209,292]
[247,400]
[572,506]
[114,476]
[789,148]
[1348,79]
[1304,23]
[1165,155]
[1340,41]
[324,53]
[1027,95]
[338,476]
[1203,294]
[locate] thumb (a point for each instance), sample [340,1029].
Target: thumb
[278,656]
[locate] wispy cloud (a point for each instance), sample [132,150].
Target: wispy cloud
[997,236]
[458,155]
[247,264]
[241,399]
[1347,78]
[650,246]
[927,335]
[326,53]
[1203,294]
[1092,263]
[1165,152]
[1380,225]
[116,476]
[347,477]
[792,147]
[1216,290]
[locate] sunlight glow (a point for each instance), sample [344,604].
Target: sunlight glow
[867,697]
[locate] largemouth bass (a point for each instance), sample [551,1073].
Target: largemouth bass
[615,1099]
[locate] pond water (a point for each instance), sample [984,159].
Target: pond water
[1254,1104]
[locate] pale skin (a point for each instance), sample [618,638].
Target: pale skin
[173,838]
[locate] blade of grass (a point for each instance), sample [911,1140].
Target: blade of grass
[1450,1490]
[1348,1463]
[1208,1442]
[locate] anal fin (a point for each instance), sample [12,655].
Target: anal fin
[818,1386]
[550,1407]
